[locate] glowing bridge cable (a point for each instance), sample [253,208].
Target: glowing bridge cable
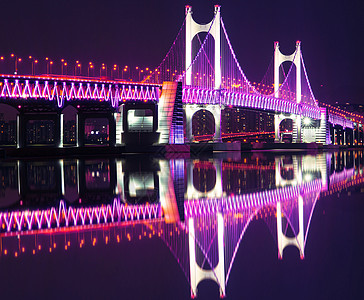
[308,82]
[235,59]
[52,218]
[251,217]
[169,51]
[200,50]
[285,82]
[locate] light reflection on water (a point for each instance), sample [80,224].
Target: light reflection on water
[199,208]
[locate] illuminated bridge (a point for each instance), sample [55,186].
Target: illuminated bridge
[206,77]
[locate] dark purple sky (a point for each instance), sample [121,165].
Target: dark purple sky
[141,32]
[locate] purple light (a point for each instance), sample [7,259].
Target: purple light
[67,90]
[71,216]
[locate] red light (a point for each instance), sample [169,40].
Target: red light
[36,61]
[12,55]
[2,57]
[30,57]
[19,59]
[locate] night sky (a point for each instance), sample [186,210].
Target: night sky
[139,33]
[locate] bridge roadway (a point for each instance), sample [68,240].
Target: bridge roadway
[154,113]
[45,97]
[62,89]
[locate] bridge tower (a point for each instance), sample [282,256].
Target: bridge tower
[192,28]
[295,58]
[213,28]
[197,274]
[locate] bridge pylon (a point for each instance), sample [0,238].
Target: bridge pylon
[193,28]
[295,58]
[215,110]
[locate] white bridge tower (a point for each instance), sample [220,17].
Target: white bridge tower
[295,58]
[192,28]
[213,28]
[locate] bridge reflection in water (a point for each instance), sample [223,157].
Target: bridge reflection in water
[201,209]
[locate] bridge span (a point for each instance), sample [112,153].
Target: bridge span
[161,108]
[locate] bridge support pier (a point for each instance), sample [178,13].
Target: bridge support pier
[119,129]
[214,109]
[297,130]
[297,127]
[140,123]
[277,132]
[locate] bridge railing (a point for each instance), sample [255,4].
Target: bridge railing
[63,89]
[62,216]
[196,95]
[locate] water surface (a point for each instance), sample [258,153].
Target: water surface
[254,227]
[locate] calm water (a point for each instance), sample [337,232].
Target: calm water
[255,226]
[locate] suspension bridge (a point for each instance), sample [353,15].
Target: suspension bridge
[199,72]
